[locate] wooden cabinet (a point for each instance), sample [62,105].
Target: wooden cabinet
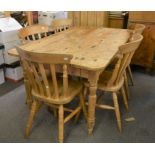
[115,22]
[144,56]
[89,18]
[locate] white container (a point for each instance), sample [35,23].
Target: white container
[2,80]
[14,74]
[1,57]
[9,37]
[9,29]
[46,17]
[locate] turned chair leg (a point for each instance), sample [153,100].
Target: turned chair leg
[77,117]
[83,106]
[130,75]
[124,98]
[31,118]
[126,86]
[61,124]
[117,112]
[54,112]
[85,91]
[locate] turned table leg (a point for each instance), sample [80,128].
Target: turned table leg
[93,79]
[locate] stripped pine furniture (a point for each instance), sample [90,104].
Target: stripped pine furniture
[113,81]
[55,91]
[92,49]
[137,28]
[31,33]
[144,55]
[61,24]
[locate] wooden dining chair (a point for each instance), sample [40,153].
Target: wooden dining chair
[54,90]
[137,28]
[113,81]
[61,24]
[31,33]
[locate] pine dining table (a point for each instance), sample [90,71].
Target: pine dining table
[92,50]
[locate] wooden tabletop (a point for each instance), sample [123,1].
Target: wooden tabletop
[92,48]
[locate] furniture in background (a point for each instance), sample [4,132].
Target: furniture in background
[113,81]
[51,89]
[144,55]
[31,33]
[115,19]
[89,18]
[92,49]
[137,28]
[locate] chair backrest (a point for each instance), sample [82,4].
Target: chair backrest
[33,32]
[61,24]
[137,28]
[126,52]
[36,66]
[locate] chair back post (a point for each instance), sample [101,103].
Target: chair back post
[124,57]
[139,28]
[61,24]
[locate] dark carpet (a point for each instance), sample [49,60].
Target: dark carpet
[14,113]
[9,86]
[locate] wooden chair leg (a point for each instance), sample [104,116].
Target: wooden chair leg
[77,117]
[29,99]
[83,106]
[61,124]
[117,112]
[130,75]
[31,118]
[126,86]
[124,98]
[54,112]
[85,91]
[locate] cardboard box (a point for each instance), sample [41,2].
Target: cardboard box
[48,16]
[7,58]
[2,79]
[1,54]
[1,58]
[14,72]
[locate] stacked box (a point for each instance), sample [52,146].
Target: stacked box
[48,16]
[14,72]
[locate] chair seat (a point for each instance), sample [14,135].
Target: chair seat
[103,82]
[74,88]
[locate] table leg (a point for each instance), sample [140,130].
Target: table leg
[93,79]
